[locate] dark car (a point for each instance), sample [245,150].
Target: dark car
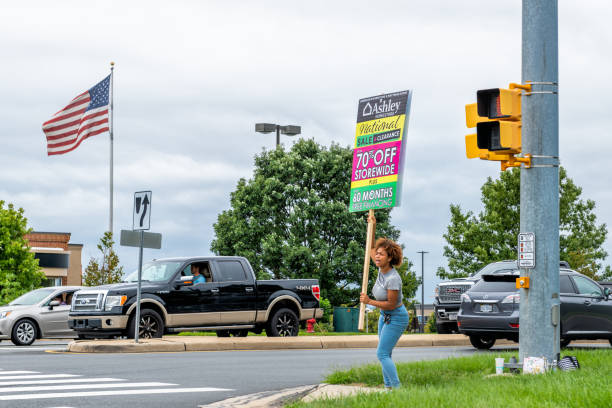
[447,294]
[490,309]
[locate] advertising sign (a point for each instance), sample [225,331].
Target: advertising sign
[378,155]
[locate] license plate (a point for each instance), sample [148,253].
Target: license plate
[452,316]
[486,308]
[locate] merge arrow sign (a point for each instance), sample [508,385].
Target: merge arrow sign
[141,219]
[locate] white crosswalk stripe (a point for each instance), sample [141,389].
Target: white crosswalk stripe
[106,393]
[26,385]
[82,386]
[69,380]
[14,377]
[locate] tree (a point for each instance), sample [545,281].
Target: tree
[19,270]
[107,270]
[492,236]
[410,282]
[291,220]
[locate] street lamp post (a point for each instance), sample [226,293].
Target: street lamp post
[289,130]
[422,325]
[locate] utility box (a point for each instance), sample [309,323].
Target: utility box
[346,319]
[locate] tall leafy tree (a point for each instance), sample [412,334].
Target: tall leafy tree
[19,270]
[410,282]
[474,241]
[106,270]
[291,220]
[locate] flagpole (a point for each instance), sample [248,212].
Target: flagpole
[110,222]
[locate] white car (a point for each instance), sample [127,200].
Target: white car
[41,313]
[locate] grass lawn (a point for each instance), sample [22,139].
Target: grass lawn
[463,382]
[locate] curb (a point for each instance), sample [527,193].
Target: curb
[276,399]
[266,399]
[209,343]
[124,346]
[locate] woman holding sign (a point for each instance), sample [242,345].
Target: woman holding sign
[387,255]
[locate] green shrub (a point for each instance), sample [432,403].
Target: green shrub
[430,327]
[325,304]
[372,320]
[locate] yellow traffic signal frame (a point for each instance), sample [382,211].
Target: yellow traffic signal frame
[497,117]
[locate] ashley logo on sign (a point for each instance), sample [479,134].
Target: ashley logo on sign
[381,107]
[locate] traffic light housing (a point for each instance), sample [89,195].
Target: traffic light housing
[496,115]
[499,103]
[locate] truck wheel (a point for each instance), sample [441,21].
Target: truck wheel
[284,323]
[151,325]
[24,332]
[482,341]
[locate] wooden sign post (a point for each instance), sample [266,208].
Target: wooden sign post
[366,270]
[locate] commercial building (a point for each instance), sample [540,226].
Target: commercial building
[59,259]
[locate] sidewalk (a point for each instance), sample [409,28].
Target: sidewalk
[209,343]
[306,393]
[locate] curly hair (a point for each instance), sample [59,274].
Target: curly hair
[392,249]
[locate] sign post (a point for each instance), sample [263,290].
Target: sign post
[141,221]
[378,162]
[366,272]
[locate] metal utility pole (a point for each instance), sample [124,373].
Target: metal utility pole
[422,325]
[539,308]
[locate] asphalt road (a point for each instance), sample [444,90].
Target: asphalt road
[42,376]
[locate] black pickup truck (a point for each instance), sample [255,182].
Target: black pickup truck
[230,301]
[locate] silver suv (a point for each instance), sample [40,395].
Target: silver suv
[41,313]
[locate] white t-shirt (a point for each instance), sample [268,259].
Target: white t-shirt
[388,281]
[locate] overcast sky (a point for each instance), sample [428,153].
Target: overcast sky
[193,78]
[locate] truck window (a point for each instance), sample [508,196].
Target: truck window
[231,271]
[202,267]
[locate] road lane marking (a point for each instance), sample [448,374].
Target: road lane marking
[72,380]
[189,390]
[5,390]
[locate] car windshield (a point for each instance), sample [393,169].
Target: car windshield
[495,268]
[33,297]
[155,271]
[494,286]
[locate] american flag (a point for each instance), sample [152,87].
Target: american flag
[85,116]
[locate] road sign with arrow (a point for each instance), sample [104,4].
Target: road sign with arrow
[142,211]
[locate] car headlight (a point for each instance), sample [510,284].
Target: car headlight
[112,301]
[5,314]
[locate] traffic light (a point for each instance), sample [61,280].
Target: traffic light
[496,115]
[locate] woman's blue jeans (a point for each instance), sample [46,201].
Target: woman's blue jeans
[388,335]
